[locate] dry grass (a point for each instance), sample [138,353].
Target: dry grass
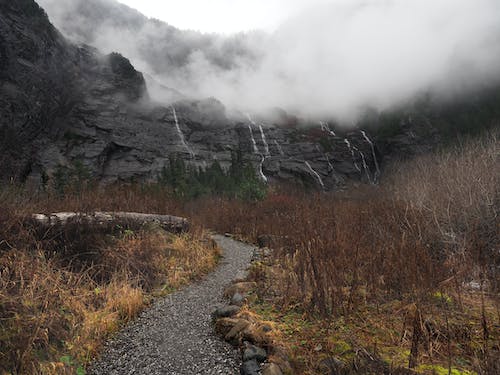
[364,267]
[423,246]
[64,291]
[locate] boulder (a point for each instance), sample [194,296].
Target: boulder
[271,369]
[250,368]
[224,325]
[226,311]
[257,334]
[242,287]
[254,352]
[233,335]
[280,358]
[238,299]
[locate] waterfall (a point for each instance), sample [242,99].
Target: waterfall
[365,166]
[279,148]
[377,173]
[261,169]
[346,141]
[330,165]
[181,136]
[315,174]
[256,150]
[264,141]
[326,128]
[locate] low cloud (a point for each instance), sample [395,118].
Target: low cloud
[329,61]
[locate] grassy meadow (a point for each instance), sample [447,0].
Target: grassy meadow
[401,277]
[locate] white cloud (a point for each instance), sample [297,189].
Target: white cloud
[328,59]
[222,16]
[335,58]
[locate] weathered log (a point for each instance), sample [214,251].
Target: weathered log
[126,219]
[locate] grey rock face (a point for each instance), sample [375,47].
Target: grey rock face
[63,104]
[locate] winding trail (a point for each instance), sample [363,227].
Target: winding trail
[175,336]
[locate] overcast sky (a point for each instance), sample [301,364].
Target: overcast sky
[222,16]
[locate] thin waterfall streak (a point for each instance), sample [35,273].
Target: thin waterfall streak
[326,128]
[349,146]
[315,174]
[264,141]
[365,166]
[377,173]
[254,144]
[181,135]
[256,150]
[261,169]
[279,148]
[330,165]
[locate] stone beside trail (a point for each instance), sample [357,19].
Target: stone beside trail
[175,336]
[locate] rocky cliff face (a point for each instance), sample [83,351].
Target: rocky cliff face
[63,104]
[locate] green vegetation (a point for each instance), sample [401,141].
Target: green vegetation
[239,181]
[72,177]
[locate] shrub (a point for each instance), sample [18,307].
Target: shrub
[239,181]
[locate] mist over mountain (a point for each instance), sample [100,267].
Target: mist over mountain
[65,104]
[166,54]
[330,61]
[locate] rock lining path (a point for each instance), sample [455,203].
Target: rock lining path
[175,336]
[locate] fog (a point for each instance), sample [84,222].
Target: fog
[329,61]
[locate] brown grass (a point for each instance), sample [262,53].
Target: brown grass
[65,290]
[368,266]
[427,238]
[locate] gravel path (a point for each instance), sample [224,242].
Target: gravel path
[175,336]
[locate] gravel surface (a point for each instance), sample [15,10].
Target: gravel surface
[175,336]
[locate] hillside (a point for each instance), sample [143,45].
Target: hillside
[93,111]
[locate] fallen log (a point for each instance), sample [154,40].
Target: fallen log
[132,220]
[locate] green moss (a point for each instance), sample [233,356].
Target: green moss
[397,356]
[265,310]
[341,347]
[442,298]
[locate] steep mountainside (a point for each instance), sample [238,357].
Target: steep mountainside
[164,49]
[63,105]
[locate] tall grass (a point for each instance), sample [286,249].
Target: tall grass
[432,219]
[427,238]
[430,229]
[63,290]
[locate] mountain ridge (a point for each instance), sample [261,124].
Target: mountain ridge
[94,110]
